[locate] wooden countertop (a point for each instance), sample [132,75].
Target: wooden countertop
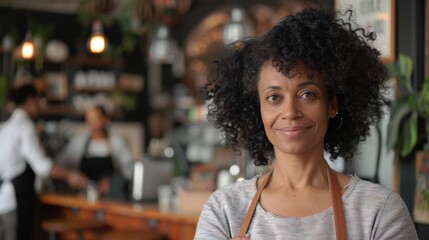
[144,210]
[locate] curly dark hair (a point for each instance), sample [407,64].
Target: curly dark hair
[349,66]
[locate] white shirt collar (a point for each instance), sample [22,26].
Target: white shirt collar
[19,113]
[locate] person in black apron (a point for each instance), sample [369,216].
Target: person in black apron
[96,168]
[101,170]
[100,167]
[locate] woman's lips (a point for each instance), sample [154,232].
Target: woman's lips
[293,131]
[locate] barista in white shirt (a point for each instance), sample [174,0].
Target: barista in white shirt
[21,156]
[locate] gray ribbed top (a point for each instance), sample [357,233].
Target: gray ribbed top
[371,212]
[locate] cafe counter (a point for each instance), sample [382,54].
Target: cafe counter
[177,225]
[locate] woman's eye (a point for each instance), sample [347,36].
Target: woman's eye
[308,95]
[273,98]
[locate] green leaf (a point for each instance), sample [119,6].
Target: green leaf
[413,101]
[425,95]
[421,106]
[405,66]
[409,135]
[402,69]
[399,110]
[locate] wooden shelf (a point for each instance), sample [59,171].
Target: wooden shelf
[94,89]
[96,61]
[59,110]
[97,90]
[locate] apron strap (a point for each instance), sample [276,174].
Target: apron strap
[336,199]
[255,200]
[337,204]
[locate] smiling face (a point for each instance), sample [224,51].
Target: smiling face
[295,111]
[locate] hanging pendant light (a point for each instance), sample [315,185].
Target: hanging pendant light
[163,48]
[97,42]
[28,50]
[238,29]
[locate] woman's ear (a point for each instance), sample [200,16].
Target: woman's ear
[333,107]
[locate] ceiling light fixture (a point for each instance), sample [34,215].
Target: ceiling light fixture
[28,50]
[97,42]
[238,29]
[163,48]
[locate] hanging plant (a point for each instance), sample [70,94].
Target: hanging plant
[110,12]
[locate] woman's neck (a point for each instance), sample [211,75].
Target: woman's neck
[295,172]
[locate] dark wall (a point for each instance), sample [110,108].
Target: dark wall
[410,22]
[64,27]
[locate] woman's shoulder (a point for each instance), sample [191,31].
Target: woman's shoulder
[381,208]
[366,185]
[368,194]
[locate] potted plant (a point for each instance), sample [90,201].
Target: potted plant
[403,134]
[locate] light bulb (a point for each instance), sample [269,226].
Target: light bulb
[97,43]
[27,49]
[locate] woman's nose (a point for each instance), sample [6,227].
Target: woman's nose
[291,110]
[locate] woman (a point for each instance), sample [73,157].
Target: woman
[98,154]
[310,84]
[20,155]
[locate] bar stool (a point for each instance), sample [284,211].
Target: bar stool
[132,235]
[53,226]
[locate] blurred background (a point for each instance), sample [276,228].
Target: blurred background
[144,62]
